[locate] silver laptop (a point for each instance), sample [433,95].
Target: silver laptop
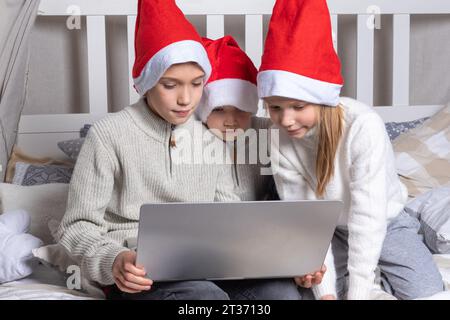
[238,240]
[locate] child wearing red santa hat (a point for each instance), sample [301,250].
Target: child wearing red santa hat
[228,108]
[129,158]
[337,148]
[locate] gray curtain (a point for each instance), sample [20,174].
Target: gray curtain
[16,21]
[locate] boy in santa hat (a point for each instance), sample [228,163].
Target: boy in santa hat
[338,149]
[129,159]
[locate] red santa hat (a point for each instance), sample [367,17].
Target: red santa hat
[164,37]
[299,60]
[232,81]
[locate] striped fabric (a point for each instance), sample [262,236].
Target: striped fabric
[423,154]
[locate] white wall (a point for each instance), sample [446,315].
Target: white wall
[58,72]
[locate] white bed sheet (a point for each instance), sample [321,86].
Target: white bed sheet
[44,284]
[48,284]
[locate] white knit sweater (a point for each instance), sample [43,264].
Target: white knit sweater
[366,181]
[126,161]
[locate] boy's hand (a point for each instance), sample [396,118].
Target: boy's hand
[128,277]
[307,281]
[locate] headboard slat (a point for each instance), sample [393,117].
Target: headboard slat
[96,44]
[191,7]
[131,23]
[401,44]
[215,26]
[254,38]
[334,25]
[365,60]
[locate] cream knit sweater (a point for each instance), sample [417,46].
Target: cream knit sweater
[366,181]
[126,161]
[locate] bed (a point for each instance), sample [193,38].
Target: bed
[39,134]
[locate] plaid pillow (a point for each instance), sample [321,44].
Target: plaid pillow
[423,154]
[433,211]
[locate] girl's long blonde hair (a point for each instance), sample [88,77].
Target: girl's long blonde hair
[330,128]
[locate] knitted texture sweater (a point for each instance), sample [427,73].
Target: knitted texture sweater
[364,178]
[130,158]
[251,172]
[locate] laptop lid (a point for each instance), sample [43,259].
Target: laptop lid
[237,240]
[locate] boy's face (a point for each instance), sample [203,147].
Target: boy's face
[295,116]
[227,120]
[178,92]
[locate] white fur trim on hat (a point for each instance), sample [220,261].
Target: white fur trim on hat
[177,52]
[239,93]
[291,85]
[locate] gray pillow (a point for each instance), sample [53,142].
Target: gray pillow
[71,147]
[394,129]
[84,130]
[433,211]
[30,174]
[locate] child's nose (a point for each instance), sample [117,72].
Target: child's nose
[230,121]
[287,119]
[184,98]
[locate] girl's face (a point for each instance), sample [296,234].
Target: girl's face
[295,116]
[178,92]
[227,120]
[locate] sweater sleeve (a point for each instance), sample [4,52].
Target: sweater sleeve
[83,227]
[367,222]
[291,185]
[328,284]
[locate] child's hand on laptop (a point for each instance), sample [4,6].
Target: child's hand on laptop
[307,281]
[128,277]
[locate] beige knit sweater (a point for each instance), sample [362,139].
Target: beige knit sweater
[127,160]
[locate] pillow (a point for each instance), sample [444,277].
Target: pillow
[18,156]
[42,202]
[71,147]
[30,175]
[84,130]
[422,154]
[433,211]
[16,259]
[394,129]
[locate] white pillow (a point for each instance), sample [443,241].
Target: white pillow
[16,260]
[433,211]
[42,202]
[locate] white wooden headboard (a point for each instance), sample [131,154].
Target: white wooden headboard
[38,134]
